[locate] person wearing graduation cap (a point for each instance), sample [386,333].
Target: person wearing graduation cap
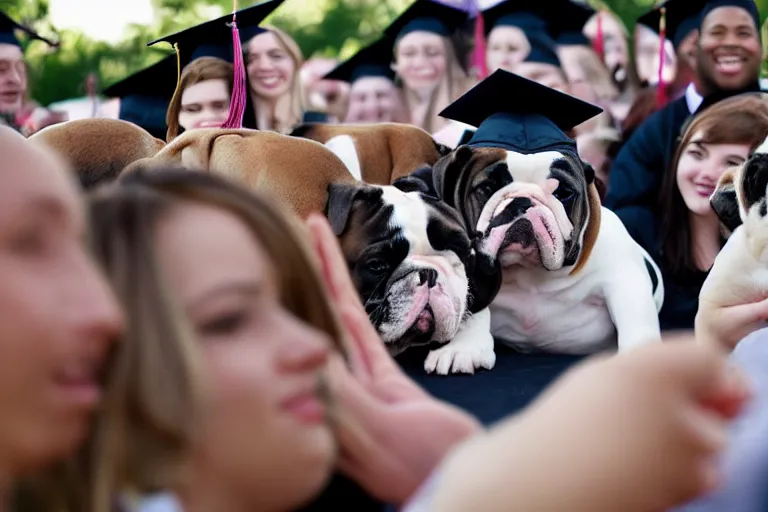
[728,60]
[373,95]
[542,64]
[14,85]
[426,62]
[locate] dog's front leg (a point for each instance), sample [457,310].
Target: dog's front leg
[472,348]
[630,302]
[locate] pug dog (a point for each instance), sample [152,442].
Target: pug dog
[416,271]
[573,279]
[740,272]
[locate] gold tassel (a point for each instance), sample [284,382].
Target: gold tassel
[168,135]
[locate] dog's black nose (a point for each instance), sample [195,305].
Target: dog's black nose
[429,276]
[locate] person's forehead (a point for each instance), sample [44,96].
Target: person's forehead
[10,52]
[28,172]
[729,16]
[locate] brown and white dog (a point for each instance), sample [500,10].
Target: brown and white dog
[294,171]
[98,149]
[574,281]
[379,153]
[740,273]
[417,272]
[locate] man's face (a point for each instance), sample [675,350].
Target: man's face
[729,54]
[13,78]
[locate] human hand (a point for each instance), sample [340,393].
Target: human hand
[635,432]
[725,327]
[392,434]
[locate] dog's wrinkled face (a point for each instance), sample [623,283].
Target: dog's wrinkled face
[740,189]
[539,210]
[408,255]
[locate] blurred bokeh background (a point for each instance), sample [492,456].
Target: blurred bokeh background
[106,39]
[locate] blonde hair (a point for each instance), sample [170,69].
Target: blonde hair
[199,70]
[290,107]
[455,83]
[145,429]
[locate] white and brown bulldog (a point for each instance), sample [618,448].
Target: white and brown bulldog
[378,153]
[417,272]
[574,281]
[740,272]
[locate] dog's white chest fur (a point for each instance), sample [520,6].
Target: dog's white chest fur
[610,302]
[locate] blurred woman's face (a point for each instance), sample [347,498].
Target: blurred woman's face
[204,104]
[507,47]
[615,45]
[373,100]
[544,74]
[263,433]
[701,166]
[421,61]
[647,57]
[271,70]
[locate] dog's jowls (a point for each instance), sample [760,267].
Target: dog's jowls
[415,269]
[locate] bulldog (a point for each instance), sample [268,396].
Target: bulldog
[379,153]
[416,271]
[98,149]
[573,280]
[740,272]
[295,171]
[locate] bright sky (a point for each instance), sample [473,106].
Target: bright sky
[104,20]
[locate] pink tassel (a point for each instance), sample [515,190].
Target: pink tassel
[239,98]
[478,56]
[661,88]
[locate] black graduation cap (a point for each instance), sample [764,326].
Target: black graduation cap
[159,80]
[8,28]
[530,16]
[427,16]
[572,17]
[747,5]
[517,114]
[543,50]
[374,60]
[214,38]
[145,95]
[682,18]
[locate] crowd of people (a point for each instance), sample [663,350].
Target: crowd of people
[176,340]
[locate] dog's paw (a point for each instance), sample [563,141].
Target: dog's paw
[461,358]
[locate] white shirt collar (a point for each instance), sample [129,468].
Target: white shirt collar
[692,98]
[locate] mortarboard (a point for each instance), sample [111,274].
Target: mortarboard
[528,15]
[747,5]
[543,50]
[145,95]
[427,16]
[517,114]
[572,17]
[214,38]
[682,18]
[375,60]
[8,29]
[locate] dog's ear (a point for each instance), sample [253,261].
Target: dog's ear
[418,181]
[754,180]
[341,197]
[589,172]
[725,200]
[446,172]
[593,227]
[484,276]
[442,149]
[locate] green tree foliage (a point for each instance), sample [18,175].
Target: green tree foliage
[321,27]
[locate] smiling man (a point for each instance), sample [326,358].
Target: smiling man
[728,58]
[13,69]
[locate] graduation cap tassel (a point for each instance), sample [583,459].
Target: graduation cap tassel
[478,55]
[661,88]
[238,101]
[599,43]
[169,135]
